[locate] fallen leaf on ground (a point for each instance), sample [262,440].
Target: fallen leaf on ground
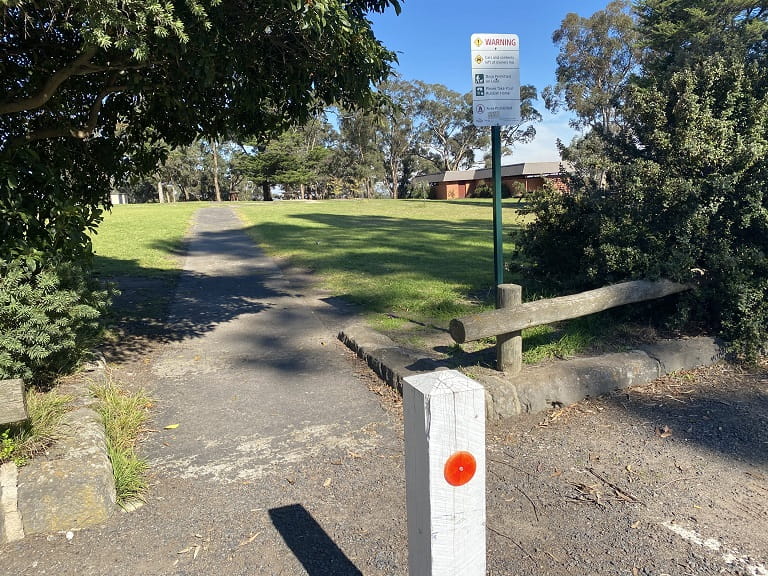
[171,427]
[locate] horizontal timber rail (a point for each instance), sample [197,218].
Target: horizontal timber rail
[512,316]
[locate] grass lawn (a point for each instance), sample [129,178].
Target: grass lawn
[413,265]
[139,247]
[405,263]
[416,259]
[142,240]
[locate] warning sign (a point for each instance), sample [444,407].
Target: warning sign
[496,79]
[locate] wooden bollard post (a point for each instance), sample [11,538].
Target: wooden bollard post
[444,415]
[509,347]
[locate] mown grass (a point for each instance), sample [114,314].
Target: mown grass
[142,239]
[124,415]
[140,246]
[411,259]
[401,261]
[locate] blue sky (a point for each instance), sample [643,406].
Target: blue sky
[432,43]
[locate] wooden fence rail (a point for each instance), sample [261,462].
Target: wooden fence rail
[511,316]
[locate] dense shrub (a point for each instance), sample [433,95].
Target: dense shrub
[683,207]
[483,190]
[679,189]
[48,318]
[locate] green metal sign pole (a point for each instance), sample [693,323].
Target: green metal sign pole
[498,249]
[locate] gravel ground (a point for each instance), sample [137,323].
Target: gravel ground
[666,478]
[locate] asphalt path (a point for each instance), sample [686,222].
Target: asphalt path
[264,437]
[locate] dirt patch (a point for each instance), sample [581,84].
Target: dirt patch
[669,477]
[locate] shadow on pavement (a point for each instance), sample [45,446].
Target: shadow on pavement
[727,415]
[311,545]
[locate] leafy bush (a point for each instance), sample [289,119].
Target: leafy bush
[483,191]
[48,318]
[681,188]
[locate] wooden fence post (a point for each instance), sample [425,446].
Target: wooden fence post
[444,414]
[509,347]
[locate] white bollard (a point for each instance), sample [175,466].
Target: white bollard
[445,474]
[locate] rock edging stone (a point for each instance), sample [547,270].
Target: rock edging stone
[73,487]
[539,388]
[70,487]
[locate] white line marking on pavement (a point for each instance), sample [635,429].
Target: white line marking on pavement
[729,557]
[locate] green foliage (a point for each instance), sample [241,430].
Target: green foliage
[48,317]
[448,134]
[46,411]
[597,56]
[297,159]
[124,415]
[684,188]
[7,445]
[483,191]
[148,70]
[46,212]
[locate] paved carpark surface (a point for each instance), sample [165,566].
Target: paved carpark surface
[287,458]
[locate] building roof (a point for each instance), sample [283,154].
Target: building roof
[525,169]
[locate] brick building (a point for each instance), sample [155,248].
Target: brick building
[517,179]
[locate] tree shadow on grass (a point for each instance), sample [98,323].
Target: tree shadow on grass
[160,306]
[402,252]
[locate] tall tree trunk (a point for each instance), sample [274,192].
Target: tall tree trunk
[266,190]
[215,150]
[160,191]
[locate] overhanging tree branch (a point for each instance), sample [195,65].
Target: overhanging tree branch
[51,86]
[80,133]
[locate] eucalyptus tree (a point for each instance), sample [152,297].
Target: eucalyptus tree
[399,132]
[598,55]
[449,138]
[358,159]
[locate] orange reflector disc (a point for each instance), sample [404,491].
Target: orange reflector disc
[460,468]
